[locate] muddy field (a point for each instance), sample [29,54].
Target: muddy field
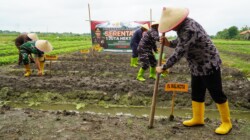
[106,78]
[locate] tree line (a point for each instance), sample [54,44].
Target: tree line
[229,33]
[233,33]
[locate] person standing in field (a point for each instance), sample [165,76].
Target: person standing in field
[135,42]
[204,62]
[147,48]
[23,38]
[98,39]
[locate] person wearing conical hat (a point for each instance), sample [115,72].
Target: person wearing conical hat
[23,38]
[147,48]
[204,62]
[135,42]
[38,48]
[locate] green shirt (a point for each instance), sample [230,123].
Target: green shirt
[29,47]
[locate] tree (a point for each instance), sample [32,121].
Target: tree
[230,33]
[233,32]
[244,28]
[223,34]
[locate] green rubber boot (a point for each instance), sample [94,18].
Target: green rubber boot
[136,61]
[152,73]
[140,75]
[133,62]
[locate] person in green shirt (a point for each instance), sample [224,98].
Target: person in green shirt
[23,38]
[37,48]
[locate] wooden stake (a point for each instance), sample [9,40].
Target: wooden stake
[171,117]
[152,113]
[50,68]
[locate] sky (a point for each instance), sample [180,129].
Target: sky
[72,15]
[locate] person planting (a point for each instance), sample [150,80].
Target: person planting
[37,48]
[146,48]
[135,42]
[23,38]
[204,62]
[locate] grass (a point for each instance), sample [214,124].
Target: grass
[234,53]
[243,66]
[61,45]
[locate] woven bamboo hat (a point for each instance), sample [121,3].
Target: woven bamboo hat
[171,17]
[32,36]
[155,23]
[44,45]
[145,26]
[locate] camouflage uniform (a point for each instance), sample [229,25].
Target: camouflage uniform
[203,58]
[146,47]
[29,48]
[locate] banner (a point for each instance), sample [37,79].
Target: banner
[114,36]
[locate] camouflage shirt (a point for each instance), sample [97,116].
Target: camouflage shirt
[148,41]
[196,46]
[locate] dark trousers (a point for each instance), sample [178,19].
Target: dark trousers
[211,82]
[134,52]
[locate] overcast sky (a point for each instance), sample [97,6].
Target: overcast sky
[71,15]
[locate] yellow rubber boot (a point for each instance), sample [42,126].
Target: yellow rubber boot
[226,124]
[198,114]
[42,67]
[27,70]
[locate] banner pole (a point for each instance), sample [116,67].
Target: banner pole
[92,50]
[152,113]
[150,16]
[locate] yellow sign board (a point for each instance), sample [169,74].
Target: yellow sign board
[51,57]
[84,51]
[176,87]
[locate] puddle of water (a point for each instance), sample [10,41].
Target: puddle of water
[137,111]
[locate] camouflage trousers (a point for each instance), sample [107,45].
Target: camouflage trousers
[147,59]
[25,55]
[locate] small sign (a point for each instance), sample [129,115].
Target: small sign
[176,87]
[84,51]
[51,57]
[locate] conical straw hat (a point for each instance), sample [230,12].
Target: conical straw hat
[44,45]
[32,36]
[171,17]
[145,26]
[155,23]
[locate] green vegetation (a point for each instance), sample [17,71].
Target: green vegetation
[233,33]
[62,43]
[235,54]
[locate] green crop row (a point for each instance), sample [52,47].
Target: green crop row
[8,59]
[237,63]
[231,42]
[244,49]
[61,45]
